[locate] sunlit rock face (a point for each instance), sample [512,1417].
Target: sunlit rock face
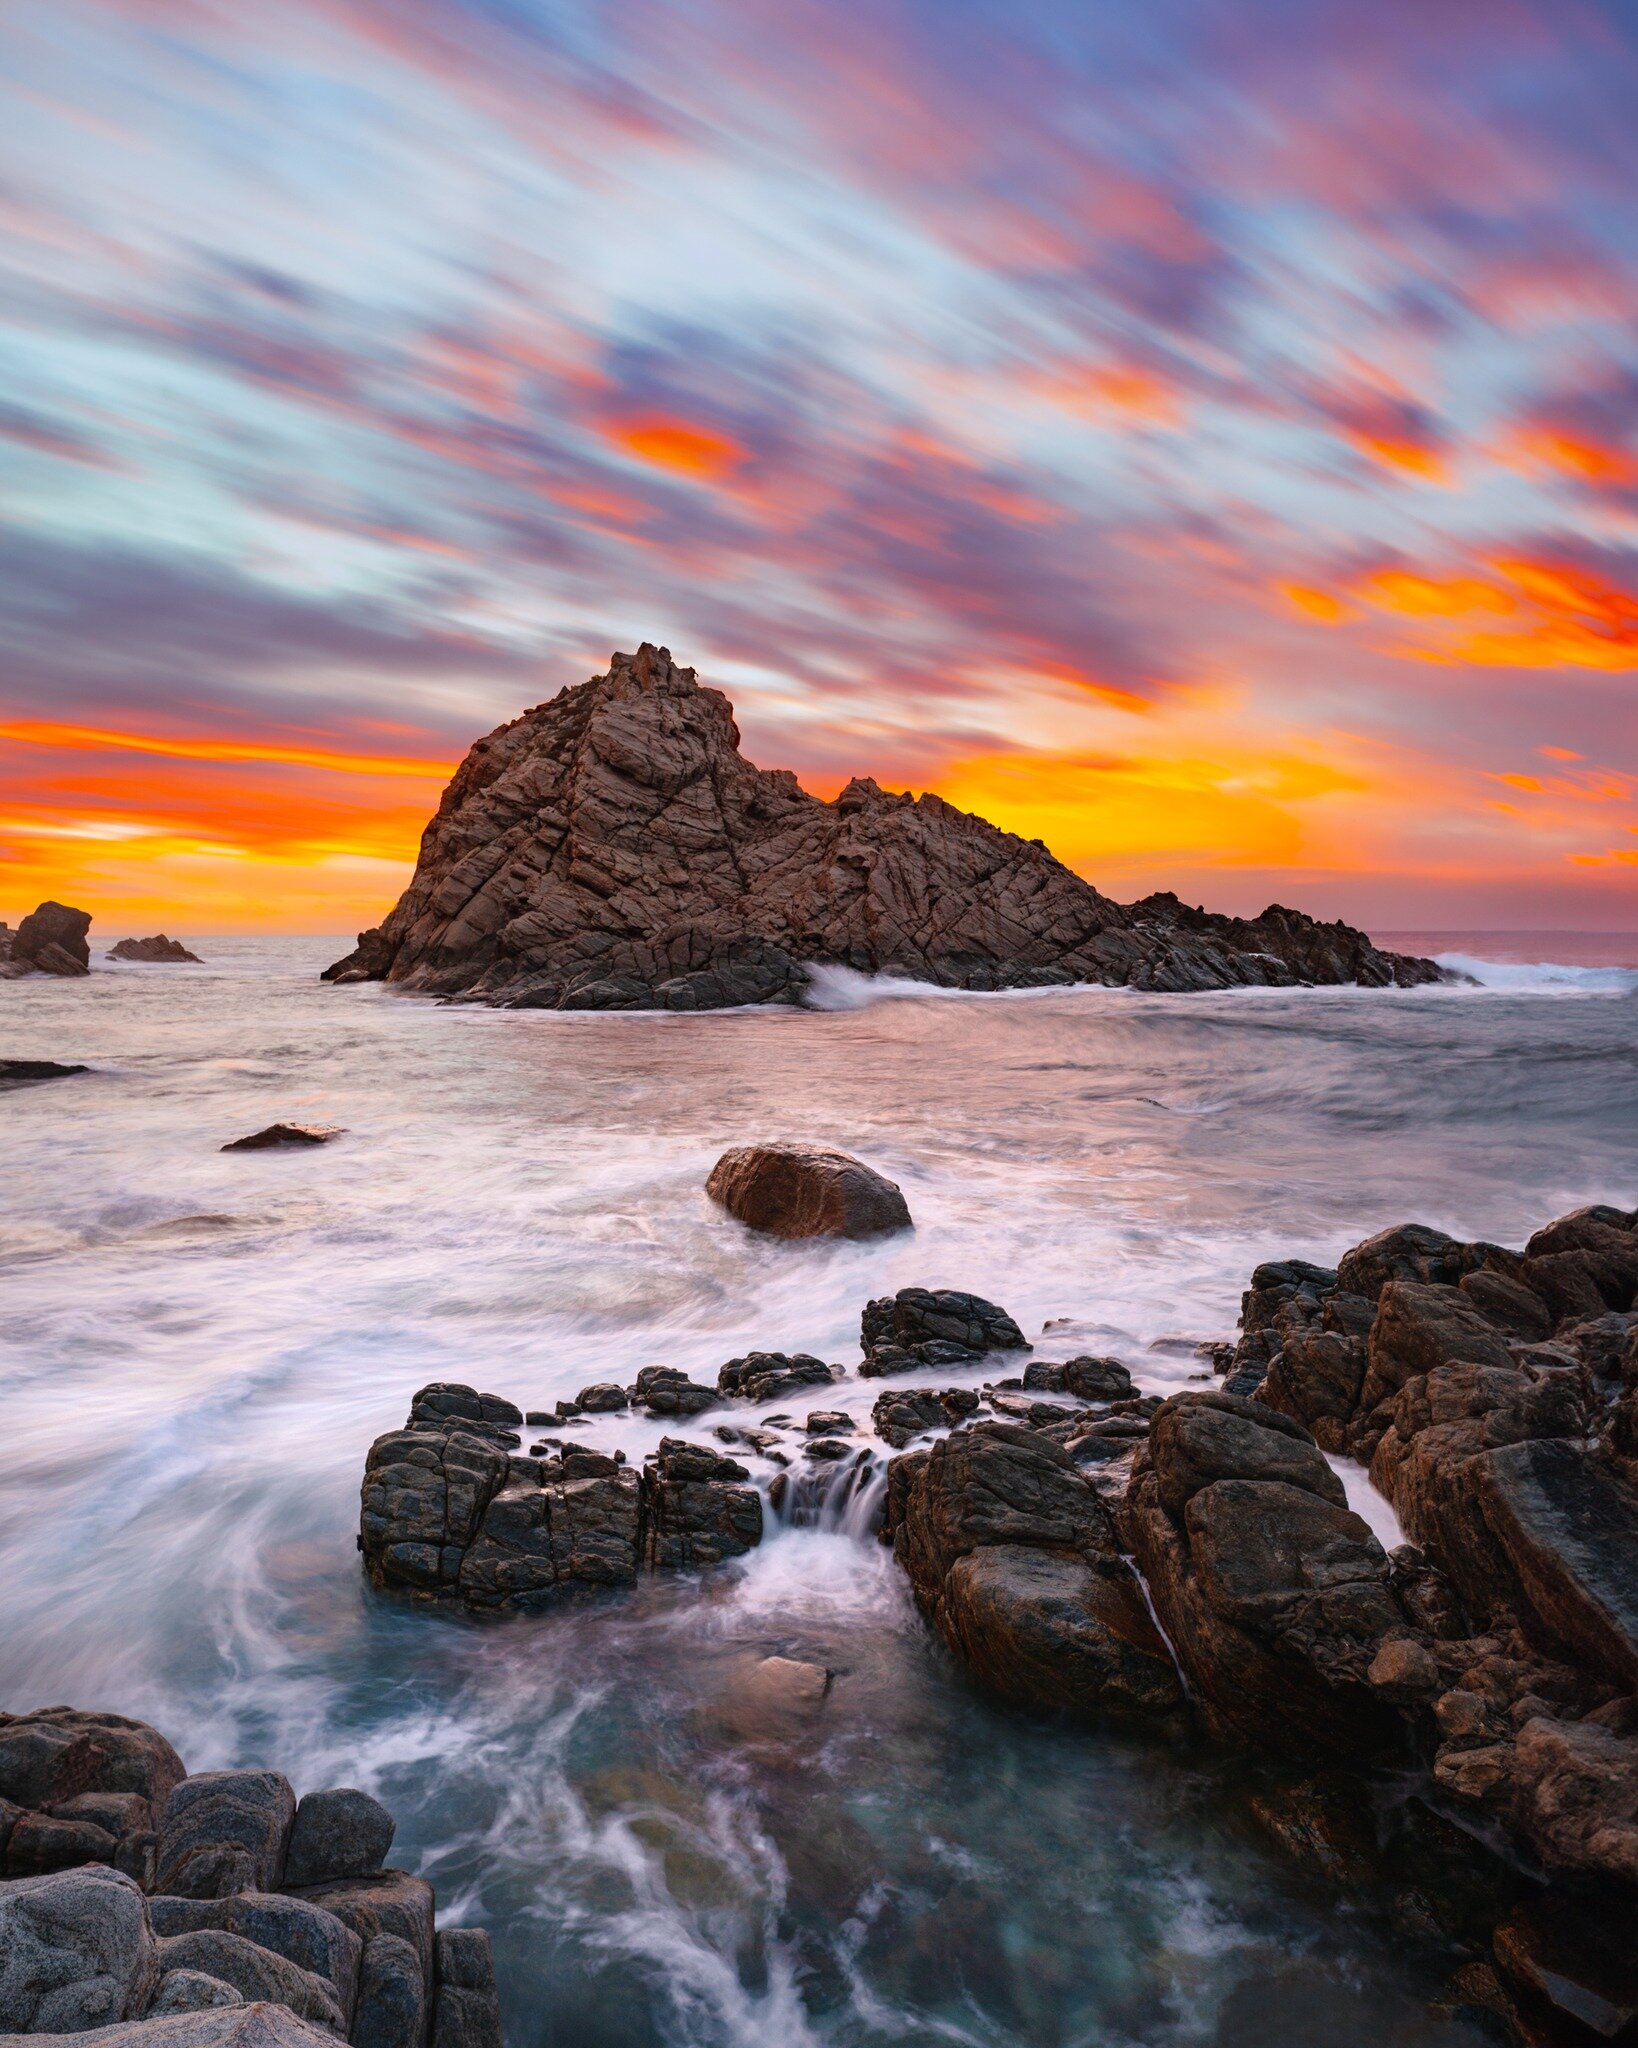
[613,849]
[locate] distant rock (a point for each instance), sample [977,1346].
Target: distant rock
[806,1191]
[277,1135]
[614,850]
[14,1073]
[157,948]
[933,1326]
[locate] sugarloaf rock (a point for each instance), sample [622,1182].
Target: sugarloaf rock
[613,849]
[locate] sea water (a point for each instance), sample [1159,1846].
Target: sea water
[197,1347]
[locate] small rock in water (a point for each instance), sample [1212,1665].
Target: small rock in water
[773,1375]
[664,1390]
[933,1326]
[157,948]
[827,1448]
[829,1422]
[13,1073]
[806,1191]
[602,1399]
[277,1135]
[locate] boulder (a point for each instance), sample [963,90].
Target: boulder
[664,1390]
[1094,1379]
[256,1973]
[466,2010]
[393,1995]
[238,2026]
[337,1833]
[613,849]
[52,939]
[55,1754]
[1013,1559]
[574,1528]
[294,1928]
[933,1326]
[76,1952]
[806,1191]
[389,1902]
[425,1493]
[224,1832]
[763,1376]
[38,1842]
[699,1510]
[905,1412]
[158,948]
[1200,1438]
[277,1137]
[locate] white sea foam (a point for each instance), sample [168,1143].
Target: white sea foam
[1544,977]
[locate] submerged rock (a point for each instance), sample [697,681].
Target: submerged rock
[805,1191]
[13,1073]
[276,1136]
[158,948]
[612,849]
[255,1919]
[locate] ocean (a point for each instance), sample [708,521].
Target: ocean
[197,1348]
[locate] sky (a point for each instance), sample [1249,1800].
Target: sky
[1202,434]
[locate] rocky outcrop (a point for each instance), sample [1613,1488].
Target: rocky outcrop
[613,849]
[158,948]
[932,1326]
[451,1509]
[1014,1560]
[50,940]
[906,1412]
[806,1191]
[284,1137]
[157,1910]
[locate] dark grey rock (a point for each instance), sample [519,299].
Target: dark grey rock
[256,1973]
[390,1902]
[763,1376]
[224,1832]
[277,1137]
[393,1995]
[933,1326]
[76,1952]
[466,2011]
[337,1833]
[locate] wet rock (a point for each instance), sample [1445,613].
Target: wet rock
[806,1191]
[771,1698]
[293,1928]
[903,1413]
[1409,1251]
[424,1497]
[76,1952]
[1200,1438]
[829,1422]
[337,1833]
[1558,1956]
[604,1398]
[393,1988]
[52,940]
[664,1390]
[581,1529]
[277,1136]
[612,849]
[158,948]
[466,2011]
[1094,1379]
[223,1832]
[933,1326]
[827,1449]
[1030,1413]
[699,1510]
[256,1973]
[1013,1559]
[445,1402]
[14,1073]
[763,1376]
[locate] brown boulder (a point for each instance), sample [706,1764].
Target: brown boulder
[278,1136]
[52,939]
[806,1191]
[158,948]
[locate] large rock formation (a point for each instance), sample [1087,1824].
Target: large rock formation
[612,849]
[50,940]
[158,1910]
[159,948]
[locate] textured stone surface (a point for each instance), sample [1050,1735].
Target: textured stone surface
[906,1412]
[158,948]
[56,1753]
[932,1326]
[612,849]
[241,2026]
[1013,1559]
[52,939]
[224,1832]
[466,2013]
[337,1833]
[255,1973]
[393,1995]
[763,1376]
[390,1902]
[806,1191]
[76,1952]
[191,1991]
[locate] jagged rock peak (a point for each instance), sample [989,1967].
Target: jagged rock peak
[613,849]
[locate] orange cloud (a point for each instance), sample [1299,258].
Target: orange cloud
[1570,454]
[1317,604]
[1102,390]
[1410,457]
[42,733]
[1562,616]
[677,445]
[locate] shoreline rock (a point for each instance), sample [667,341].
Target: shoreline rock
[158,948]
[155,1909]
[613,850]
[50,940]
[806,1191]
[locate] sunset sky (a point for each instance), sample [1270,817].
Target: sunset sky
[1202,434]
